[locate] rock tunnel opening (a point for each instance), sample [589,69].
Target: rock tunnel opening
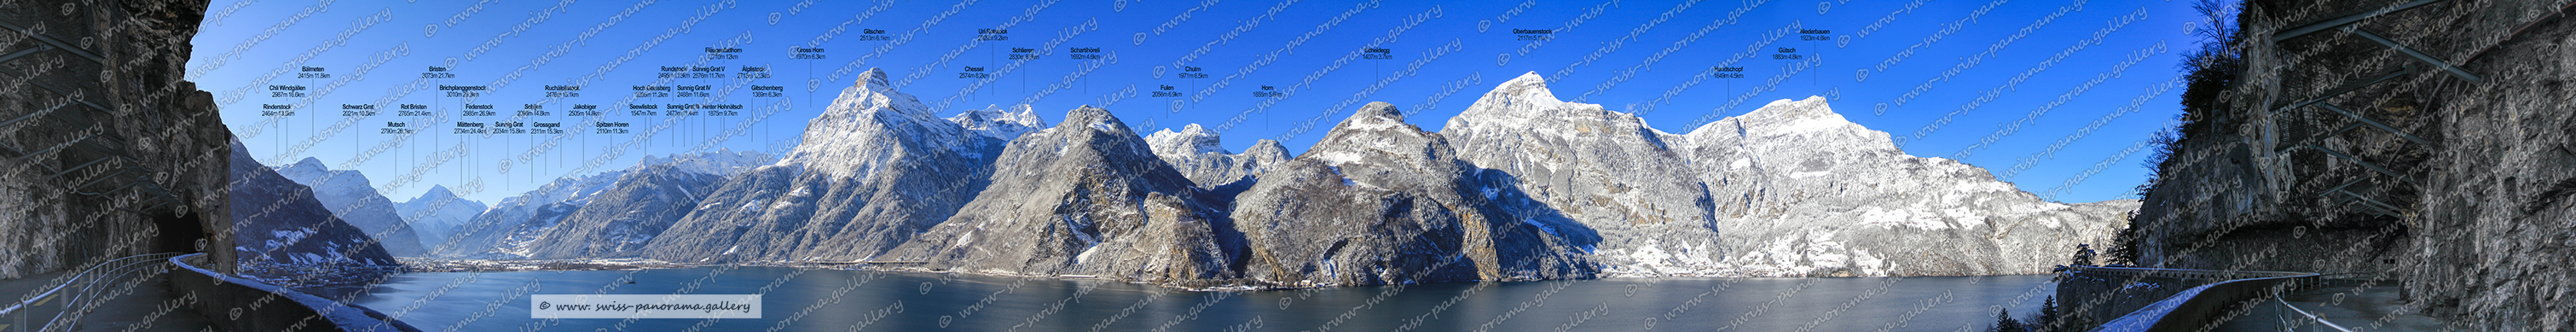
[180,233]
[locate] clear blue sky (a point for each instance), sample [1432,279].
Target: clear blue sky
[1632,56]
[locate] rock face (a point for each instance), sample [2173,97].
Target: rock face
[875,169]
[1195,152]
[1801,192]
[2464,197]
[349,196]
[600,215]
[282,229]
[1380,201]
[437,213]
[1085,197]
[120,95]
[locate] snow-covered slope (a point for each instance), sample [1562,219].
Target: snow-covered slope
[348,195]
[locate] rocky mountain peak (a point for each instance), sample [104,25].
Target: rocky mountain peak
[1524,105]
[1196,152]
[1378,131]
[875,94]
[1378,110]
[1529,86]
[1191,140]
[876,77]
[1805,122]
[436,192]
[1094,118]
[865,126]
[1267,150]
[309,164]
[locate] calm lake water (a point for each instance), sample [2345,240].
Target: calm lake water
[841,300]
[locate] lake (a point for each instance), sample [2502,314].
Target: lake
[843,300]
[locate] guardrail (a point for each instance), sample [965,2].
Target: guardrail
[2196,308]
[2321,321]
[239,304]
[95,285]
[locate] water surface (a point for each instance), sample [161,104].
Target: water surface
[842,300]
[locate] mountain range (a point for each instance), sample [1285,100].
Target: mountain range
[597,215]
[349,195]
[1519,186]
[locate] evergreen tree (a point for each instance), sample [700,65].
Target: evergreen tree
[2084,254]
[2005,323]
[2048,319]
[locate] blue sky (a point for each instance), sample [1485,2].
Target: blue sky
[1962,79]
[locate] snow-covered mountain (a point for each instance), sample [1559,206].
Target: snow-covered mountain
[1607,170]
[518,218]
[280,229]
[598,214]
[1085,197]
[436,214]
[348,195]
[875,169]
[1799,191]
[1791,189]
[1195,152]
[627,215]
[992,123]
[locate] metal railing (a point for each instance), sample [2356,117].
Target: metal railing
[96,285]
[2279,298]
[2198,308]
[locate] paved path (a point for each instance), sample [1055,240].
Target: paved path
[14,290]
[2372,308]
[151,306]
